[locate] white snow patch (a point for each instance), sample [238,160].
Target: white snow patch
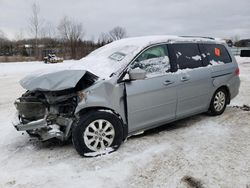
[99,153]
[196,58]
[214,150]
[178,54]
[213,62]
[54,129]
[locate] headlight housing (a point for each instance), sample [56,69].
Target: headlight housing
[82,96]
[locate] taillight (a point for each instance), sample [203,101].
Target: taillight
[237,72]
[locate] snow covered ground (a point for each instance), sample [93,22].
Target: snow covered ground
[201,150]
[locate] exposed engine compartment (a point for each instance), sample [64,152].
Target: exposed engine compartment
[49,114]
[34,105]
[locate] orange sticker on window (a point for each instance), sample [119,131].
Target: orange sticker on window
[217,52]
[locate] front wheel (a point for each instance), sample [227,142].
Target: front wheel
[219,102]
[97,133]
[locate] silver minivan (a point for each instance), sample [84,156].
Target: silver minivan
[126,87]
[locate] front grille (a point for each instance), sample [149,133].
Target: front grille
[30,110]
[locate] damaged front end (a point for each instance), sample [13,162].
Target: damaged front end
[47,114]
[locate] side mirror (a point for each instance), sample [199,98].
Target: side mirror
[137,74]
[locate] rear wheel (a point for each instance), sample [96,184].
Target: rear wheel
[219,102]
[97,133]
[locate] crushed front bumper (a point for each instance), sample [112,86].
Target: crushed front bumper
[42,123]
[42,130]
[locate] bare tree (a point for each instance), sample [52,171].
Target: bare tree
[72,33]
[5,45]
[235,38]
[117,33]
[47,30]
[35,24]
[19,35]
[104,38]
[3,39]
[2,35]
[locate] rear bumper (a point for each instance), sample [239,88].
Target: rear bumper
[234,87]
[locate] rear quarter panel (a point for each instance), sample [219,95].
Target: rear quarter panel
[224,75]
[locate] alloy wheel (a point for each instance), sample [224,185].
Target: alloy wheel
[99,135]
[219,101]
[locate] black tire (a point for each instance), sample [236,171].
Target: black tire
[215,110]
[84,122]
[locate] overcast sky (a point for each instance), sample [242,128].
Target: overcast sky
[217,18]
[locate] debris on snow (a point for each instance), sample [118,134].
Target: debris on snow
[244,107]
[192,182]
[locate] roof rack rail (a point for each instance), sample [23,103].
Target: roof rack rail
[199,37]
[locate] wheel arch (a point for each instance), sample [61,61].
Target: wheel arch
[211,110]
[106,109]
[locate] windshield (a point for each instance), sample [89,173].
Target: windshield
[113,49]
[108,59]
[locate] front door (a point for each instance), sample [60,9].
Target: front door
[152,101]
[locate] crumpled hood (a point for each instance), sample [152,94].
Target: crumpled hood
[53,81]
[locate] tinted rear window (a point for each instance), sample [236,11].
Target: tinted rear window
[187,56]
[216,54]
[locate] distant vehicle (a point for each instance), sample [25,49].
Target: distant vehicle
[245,52]
[52,58]
[229,42]
[138,83]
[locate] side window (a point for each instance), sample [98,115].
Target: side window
[216,54]
[154,61]
[187,56]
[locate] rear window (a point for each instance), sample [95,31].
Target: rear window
[216,54]
[187,56]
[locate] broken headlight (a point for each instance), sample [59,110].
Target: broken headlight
[82,95]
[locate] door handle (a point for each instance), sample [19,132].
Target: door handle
[168,82]
[184,78]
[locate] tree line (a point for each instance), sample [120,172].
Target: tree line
[65,40]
